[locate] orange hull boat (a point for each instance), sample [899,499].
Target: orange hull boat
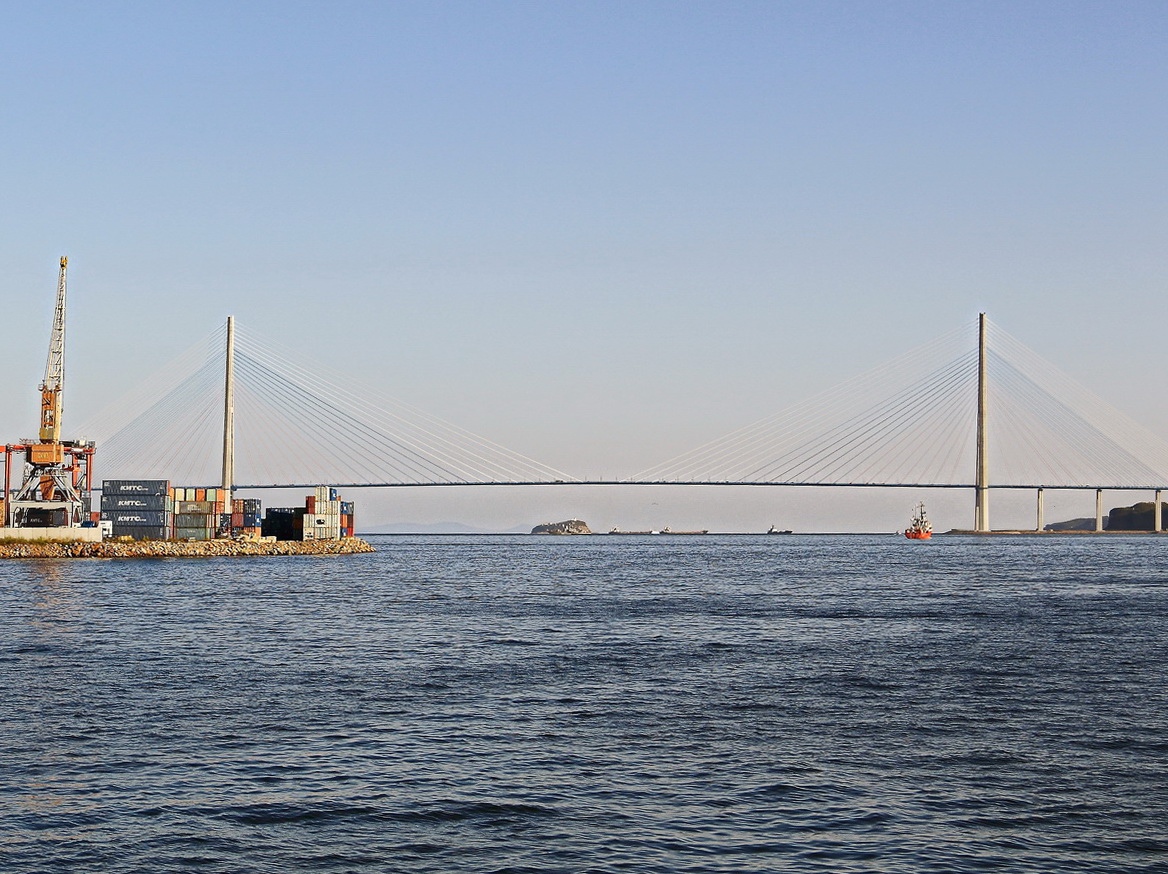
[921,528]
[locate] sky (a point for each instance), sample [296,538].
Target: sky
[598,233]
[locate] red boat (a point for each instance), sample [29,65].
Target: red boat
[921,528]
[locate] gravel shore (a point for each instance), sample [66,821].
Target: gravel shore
[183,549]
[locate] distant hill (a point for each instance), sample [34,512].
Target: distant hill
[1138,517]
[1087,523]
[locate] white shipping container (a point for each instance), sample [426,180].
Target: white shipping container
[321,532]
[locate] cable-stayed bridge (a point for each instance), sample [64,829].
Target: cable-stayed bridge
[973,410]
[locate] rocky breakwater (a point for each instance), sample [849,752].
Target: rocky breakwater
[571,526]
[183,549]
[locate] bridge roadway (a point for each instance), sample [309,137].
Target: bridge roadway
[622,482]
[1038,489]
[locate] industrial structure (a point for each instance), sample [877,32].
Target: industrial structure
[54,495]
[52,499]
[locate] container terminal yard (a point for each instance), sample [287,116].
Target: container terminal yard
[53,501]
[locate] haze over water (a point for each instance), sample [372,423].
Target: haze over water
[592,704]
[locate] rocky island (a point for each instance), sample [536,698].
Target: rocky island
[571,526]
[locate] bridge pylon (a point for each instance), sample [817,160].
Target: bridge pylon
[981,504]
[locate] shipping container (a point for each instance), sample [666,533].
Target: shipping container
[157,503]
[322,493]
[322,532]
[253,505]
[205,507]
[283,523]
[142,532]
[135,487]
[135,517]
[195,520]
[251,520]
[192,534]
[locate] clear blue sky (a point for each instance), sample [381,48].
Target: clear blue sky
[599,233]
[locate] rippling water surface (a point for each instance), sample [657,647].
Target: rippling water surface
[592,704]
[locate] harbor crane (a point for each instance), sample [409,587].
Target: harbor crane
[57,474]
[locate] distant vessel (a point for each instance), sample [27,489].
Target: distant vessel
[774,530]
[662,531]
[921,528]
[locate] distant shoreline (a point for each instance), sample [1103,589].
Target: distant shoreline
[624,535]
[1011,532]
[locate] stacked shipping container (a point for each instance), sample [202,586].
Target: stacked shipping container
[244,518]
[323,517]
[284,523]
[152,510]
[208,513]
[137,508]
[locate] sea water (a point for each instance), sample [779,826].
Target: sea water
[592,704]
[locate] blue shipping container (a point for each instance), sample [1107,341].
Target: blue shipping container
[142,532]
[135,487]
[139,518]
[135,502]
